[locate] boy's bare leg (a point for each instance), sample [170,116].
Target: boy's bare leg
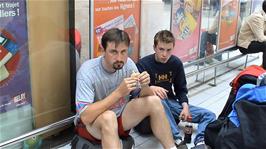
[137,109]
[105,128]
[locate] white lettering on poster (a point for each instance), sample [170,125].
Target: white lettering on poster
[19,98]
[117,5]
[9,9]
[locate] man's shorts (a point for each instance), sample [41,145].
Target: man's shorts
[82,131]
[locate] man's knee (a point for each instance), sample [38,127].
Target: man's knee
[154,102]
[108,121]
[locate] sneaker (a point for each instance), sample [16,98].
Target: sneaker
[201,146]
[209,61]
[180,144]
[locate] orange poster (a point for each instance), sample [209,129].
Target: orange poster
[228,23]
[122,14]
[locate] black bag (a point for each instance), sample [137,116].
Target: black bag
[223,134]
[81,143]
[144,127]
[253,123]
[229,137]
[249,75]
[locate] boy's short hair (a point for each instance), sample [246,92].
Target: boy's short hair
[164,36]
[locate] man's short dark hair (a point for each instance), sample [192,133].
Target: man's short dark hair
[164,36]
[115,35]
[264,6]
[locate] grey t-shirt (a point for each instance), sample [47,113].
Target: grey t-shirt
[94,83]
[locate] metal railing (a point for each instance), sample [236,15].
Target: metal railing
[38,131]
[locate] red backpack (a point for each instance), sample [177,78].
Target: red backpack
[248,75]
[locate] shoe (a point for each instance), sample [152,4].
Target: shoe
[200,64]
[180,144]
[209,61]
[201,146]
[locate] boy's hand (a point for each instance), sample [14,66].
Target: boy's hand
[159,91]
[185,114]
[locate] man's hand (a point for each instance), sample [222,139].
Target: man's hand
[144,79]
[185,114]
[126,86]
[159,91]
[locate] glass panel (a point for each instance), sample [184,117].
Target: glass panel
[34,65]
[245,9]
[2,40]
[209,28]
[153,21]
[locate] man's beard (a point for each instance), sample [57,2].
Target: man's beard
[118,65]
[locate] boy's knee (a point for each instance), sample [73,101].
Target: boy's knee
[211,116]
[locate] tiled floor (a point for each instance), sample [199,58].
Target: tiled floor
[206,96]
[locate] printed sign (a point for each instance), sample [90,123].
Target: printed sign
[186,26]
[15,87]
[122,14]
[228,23]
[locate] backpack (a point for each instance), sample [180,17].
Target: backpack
[248,75]
[144,127]
[79,142]
[222,133]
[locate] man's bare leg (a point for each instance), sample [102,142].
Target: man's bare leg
[138,109]
[105,128]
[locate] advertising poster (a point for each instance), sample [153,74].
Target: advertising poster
[15,87]
[228,24]
[256,5]
[185,26]
[122,14]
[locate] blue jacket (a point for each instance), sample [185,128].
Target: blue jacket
[248,92]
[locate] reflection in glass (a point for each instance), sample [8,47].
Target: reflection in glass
[209,28]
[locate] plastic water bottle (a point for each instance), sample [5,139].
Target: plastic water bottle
[261,81]
[33,143]
[188,130]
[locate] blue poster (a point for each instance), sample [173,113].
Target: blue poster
[15,86]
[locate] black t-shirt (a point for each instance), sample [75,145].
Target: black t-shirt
[166,75]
